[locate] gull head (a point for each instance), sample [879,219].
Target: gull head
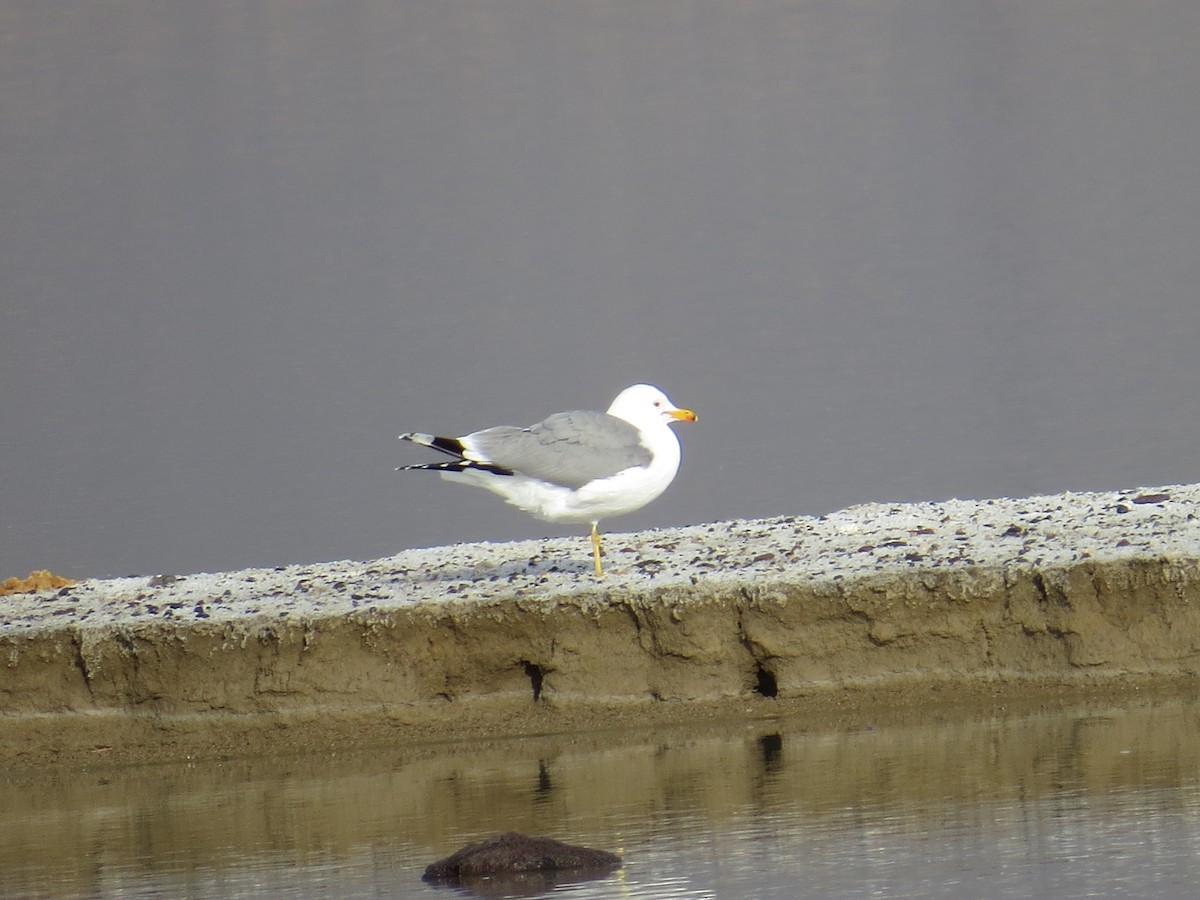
[644,405]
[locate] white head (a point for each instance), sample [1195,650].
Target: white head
[644,405]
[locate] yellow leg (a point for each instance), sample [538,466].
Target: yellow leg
[596,549]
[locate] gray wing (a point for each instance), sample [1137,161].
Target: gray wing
[568,448]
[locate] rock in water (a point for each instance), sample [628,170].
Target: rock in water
[511,853]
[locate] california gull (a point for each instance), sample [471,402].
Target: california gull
[575,466]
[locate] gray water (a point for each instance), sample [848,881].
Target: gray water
[890,249]
[1086,803]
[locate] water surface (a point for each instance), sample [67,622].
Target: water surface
[1090,802]
[888,249]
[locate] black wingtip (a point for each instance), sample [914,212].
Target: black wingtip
[449,445]
[459,465]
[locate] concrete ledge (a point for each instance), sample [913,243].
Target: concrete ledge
[1057,590]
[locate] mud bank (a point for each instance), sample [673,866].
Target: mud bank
[1005,599]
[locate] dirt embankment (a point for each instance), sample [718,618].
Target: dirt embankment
[1000,597]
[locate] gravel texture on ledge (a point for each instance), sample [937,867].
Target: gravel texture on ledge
[861,541]
[1049,589]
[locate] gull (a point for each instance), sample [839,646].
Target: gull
[575,466]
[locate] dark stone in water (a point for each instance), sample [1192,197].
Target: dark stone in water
[511,853]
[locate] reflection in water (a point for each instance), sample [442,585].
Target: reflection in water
[541,793]
[772,749]
[1069,804]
